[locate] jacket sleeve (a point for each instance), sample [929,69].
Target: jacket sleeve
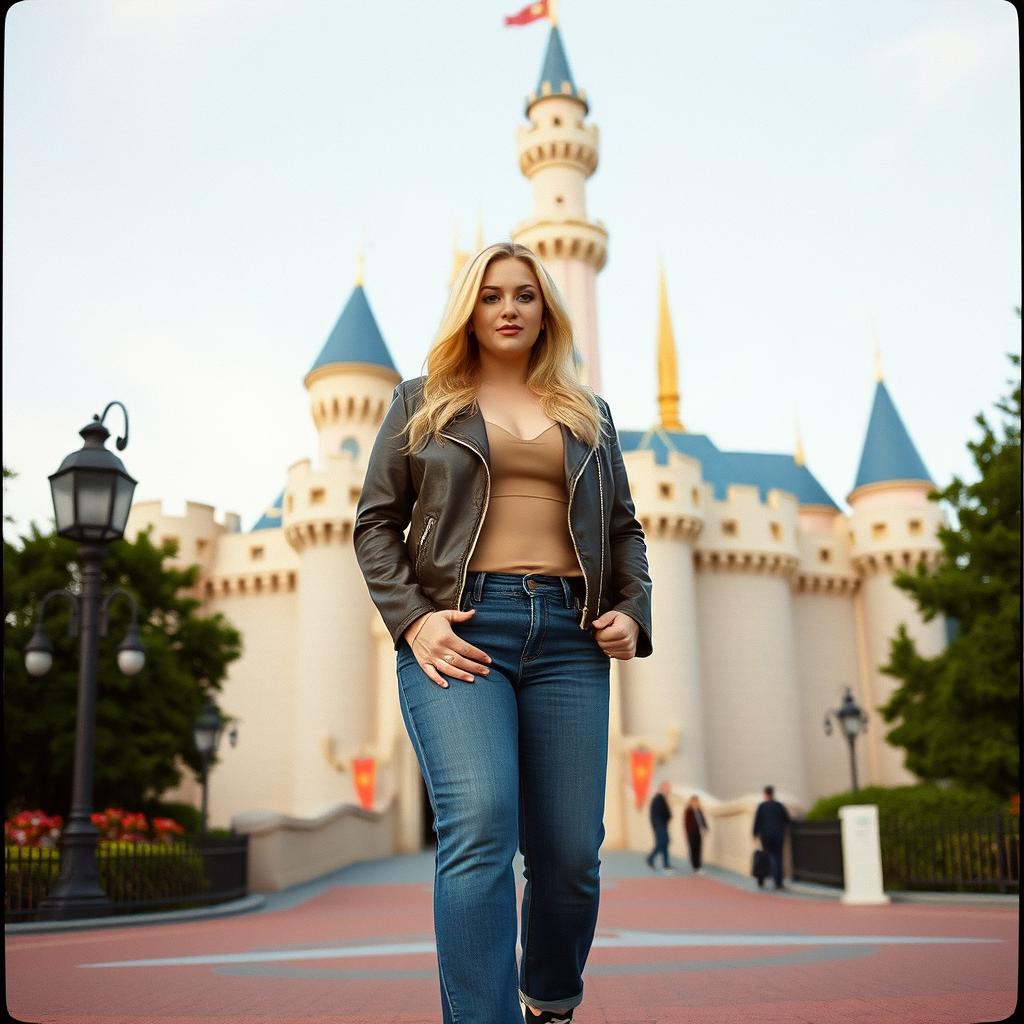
[382,515]
[630,578]
[757,820]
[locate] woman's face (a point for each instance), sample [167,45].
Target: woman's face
[509,310]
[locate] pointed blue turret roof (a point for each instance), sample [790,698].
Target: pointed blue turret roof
[356,338]
[555,76]
[271,518]
[888,453]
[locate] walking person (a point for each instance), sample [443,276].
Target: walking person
[523,572]
[661,815]
[694,825]
[771,819]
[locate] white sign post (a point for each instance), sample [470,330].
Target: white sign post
[862,855]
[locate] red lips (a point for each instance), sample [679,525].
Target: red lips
[510,329]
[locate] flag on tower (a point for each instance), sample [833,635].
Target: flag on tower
[531,12]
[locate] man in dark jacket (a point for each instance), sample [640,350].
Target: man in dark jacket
[770,823]
[661,815]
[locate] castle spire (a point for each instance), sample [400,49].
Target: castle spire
[668,377]
[889,455]
[798,453]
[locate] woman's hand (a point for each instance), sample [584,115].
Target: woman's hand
[437,648]
[616,633]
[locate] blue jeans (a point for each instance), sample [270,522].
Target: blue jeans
[661,841]
[516,758]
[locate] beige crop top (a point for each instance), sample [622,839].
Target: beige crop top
[526,528]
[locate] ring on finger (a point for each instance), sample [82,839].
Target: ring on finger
[450,658]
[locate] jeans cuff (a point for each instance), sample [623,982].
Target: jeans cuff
[551,1004]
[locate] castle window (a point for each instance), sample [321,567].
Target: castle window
[242,586]
[730,528]
[665,491]
[201,546]
[209,589]
[853,537]
[258,584]
[170,539]
[557,122]
[256,553]
[915,526]
[291,581]
[776,529]
[350,446]
[695,495]
[879,530]
[317,496]
[274,582]
[353,494]
[559,200]
[824,555]
[289,503]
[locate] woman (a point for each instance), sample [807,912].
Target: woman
[524,570]
[695,825]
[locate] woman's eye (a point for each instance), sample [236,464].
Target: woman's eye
[526,297]
[489,298]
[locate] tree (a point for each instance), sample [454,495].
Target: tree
[144,722]
[958,713]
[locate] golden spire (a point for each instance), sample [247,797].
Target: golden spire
[479,241]
[360,256]
[553,11]
[668,378]
[798,453]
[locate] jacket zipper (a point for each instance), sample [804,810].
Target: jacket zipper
[600,578]
[483,515]
[568,515]
[423,537]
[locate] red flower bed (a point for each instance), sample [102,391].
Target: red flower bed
[36,828]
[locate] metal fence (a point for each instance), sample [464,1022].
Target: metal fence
[976,855]
[136,877]
[923,854]
[817,851]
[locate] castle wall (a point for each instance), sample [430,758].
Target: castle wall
[753,736]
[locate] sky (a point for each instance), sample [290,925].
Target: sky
[187,186]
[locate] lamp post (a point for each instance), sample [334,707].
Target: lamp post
[852,722]
[92,494]
[206,733]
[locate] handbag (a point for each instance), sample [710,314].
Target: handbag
[761,866]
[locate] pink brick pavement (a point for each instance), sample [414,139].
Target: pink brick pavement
[753,975]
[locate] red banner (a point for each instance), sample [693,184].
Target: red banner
[641,764]
[364,772]
[531,12]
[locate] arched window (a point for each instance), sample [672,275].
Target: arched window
[350,446]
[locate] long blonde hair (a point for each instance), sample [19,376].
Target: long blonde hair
[453,362]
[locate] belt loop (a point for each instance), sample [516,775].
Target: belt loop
[566,591]
[478,587]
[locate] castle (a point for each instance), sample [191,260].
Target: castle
[768,598]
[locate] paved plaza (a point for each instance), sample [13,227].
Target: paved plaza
[357,948]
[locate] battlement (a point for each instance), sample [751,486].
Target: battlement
[825,564]
[670,500]
[557,135]
[251,564]
[885,538]
[557,239]
[320,504]
[197,532]
[744,533]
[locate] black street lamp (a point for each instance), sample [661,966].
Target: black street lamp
[852,722]
[92,494]
[206,733]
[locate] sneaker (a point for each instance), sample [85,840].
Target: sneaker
[668,871]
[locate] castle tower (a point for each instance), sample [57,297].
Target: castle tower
[336,665]
[893,526]
[351,381]
[558,152]
[662,694]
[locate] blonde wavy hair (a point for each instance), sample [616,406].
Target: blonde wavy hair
[453,362]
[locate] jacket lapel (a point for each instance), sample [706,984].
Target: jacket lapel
[575,452]
[469,427]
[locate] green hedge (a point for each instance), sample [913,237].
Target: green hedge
[921,801]
[129,873]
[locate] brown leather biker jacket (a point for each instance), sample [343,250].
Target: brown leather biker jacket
[441,493]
